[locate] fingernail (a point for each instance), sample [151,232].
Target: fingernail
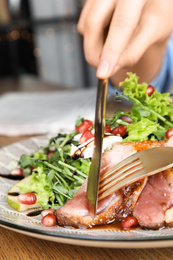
[103,69]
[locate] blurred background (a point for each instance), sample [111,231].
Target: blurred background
[39,42]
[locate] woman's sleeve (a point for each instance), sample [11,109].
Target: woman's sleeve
[164,79]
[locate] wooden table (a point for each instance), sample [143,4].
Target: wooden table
[16,246]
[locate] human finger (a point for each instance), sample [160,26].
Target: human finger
[124,21]
[83,15]
[146,35]
[96,22]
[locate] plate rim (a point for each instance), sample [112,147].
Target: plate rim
[97,243]
[81,239]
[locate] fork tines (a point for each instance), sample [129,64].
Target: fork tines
[135,167]
[120,172]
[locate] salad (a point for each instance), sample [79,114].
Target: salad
[57,170]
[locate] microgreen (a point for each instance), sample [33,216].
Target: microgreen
[55,180]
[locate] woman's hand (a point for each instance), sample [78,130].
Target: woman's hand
[126,35]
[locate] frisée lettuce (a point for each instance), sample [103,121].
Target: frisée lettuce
[151,115]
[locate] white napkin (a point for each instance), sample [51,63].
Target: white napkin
[47,112]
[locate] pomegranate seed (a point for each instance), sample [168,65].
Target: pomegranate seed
[32,168]
[129,222]
[169,133]
[150,90]
[86,125]
[119,130]
[17,172]
[107,129]
[126,118]
[49,220]
[27,198]
[86,136]
[49,155]
[46,211]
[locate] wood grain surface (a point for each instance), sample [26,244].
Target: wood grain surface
[17,246]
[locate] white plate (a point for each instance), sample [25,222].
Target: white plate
[108,237]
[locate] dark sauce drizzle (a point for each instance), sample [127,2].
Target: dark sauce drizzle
[79,153]
[30,214]
[11,177]
[34,213]
[15,194]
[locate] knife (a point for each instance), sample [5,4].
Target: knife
[94,171]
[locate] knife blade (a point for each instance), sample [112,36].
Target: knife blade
[94,171]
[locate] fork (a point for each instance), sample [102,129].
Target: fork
[134,168]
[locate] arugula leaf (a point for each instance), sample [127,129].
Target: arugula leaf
[55,180]
[26,161]
[79,121]
[115,120]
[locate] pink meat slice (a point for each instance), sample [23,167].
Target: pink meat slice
[153,201]
[75,212]
[115,207]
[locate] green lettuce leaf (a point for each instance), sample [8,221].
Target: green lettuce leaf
[40,185]
[140,130]
[152,115]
